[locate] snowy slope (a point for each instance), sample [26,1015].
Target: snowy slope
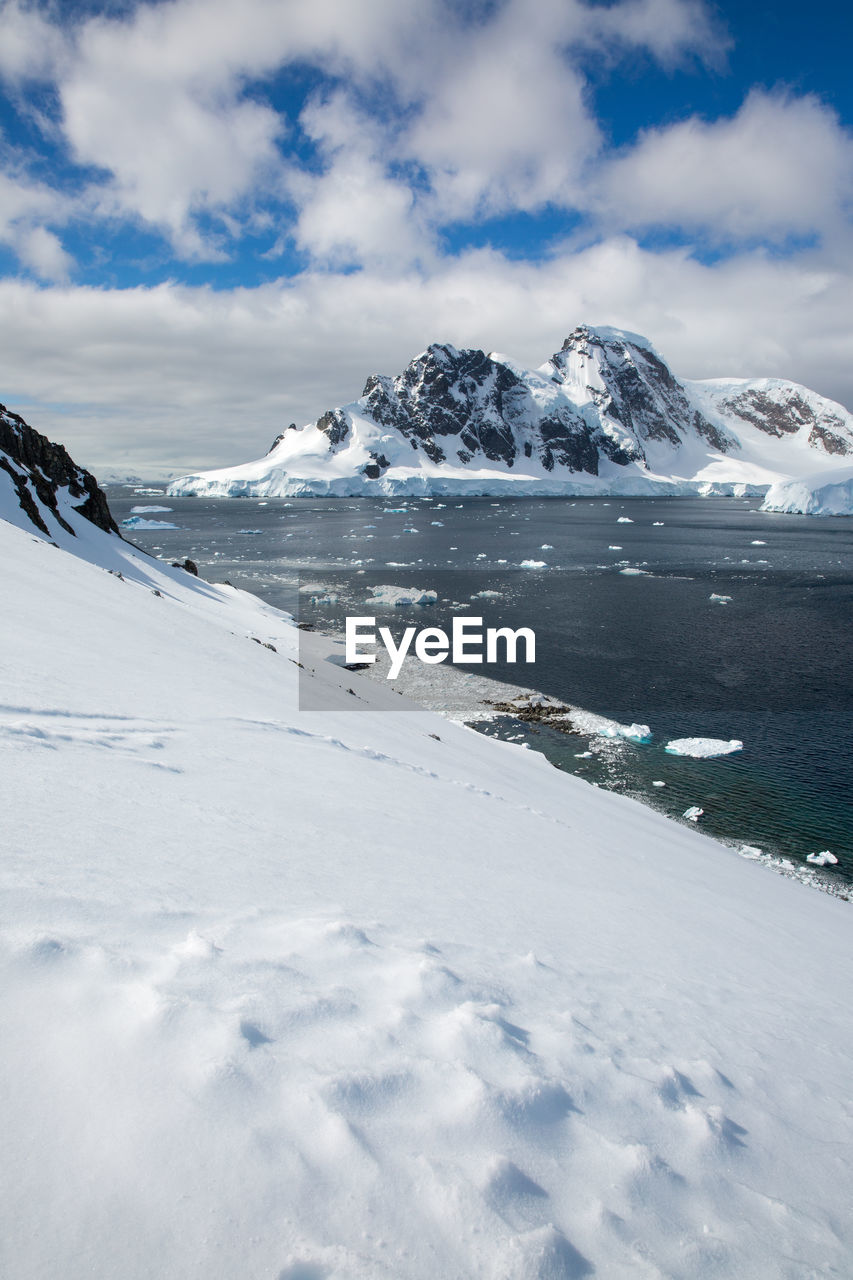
[604,415]
[292,995]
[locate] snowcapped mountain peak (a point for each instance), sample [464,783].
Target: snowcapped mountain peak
[604,414]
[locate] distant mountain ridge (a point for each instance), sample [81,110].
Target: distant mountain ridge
[604,414]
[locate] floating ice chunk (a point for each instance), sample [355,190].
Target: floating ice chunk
[657,524]
[546,546]
[487,595]
[582,755]
[139,522]
[141,511]
[694,813]
[411,530]
[439,524]
[588,722]
[250,532]
[756,542]
[635,573]
[399,596]
[613,547]
[703,748]
[533,564]
[750,851]
[720,599]
[624,520]
[657,783]
[822,859]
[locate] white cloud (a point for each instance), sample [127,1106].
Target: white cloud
[42,251]
[781,166]
[24,208]
[168,101]
[180,378]
[30,46]
[353,213]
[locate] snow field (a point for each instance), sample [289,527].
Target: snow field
[353,995]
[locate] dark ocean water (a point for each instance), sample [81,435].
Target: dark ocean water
[772,667]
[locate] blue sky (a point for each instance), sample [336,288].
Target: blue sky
[217,219]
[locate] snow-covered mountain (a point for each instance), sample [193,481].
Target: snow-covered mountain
[366,996]
[604,415]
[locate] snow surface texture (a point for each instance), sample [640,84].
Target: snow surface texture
[350,995]
[604,415]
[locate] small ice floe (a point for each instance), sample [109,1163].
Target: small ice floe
[694,813]
[657,783]
[533,564]
[142,511]
[439,524]
[657,524]
[631,572]
[613,547]
[481,555]
[139,522]
[719,599]
[411,530]
[624,520]
[703,748]
[756,542]
[583,755]
[487,595]
[399,596]
[823,859]
[546,546]
[250,533]
[750,851]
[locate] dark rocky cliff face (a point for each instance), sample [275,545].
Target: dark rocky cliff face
[640,391]
[38,468]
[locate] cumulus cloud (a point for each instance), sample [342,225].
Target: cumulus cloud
[168,102]
[25,206]
[781,166]
[353,212]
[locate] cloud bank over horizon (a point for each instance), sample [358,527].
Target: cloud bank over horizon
[214,222]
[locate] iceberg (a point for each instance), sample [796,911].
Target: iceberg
[401,596]
[823,859]
[139,522]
